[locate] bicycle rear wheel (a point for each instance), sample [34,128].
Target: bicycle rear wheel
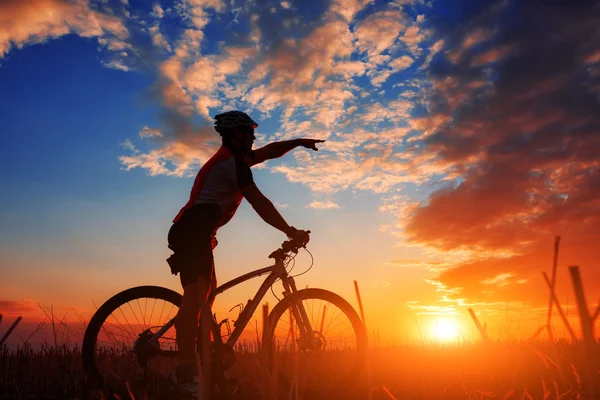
[333,358]
[117,355]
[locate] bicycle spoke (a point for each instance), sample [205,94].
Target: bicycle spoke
[120,328]
[125,335]
[127,320]
[152,313]
[145,307]
[161,313]
[134,315]
[168,315]
[337,325]
[330,322]
[141,312]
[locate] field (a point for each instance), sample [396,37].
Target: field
[502,370]
[536,368]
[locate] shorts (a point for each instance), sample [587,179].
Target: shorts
[192,239]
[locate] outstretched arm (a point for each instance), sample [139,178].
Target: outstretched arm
[278,149]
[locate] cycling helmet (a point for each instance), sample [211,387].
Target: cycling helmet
[226,122]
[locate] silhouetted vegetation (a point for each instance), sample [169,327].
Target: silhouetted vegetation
[497,370]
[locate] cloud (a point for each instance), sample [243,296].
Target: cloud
[158,39]
[475,37]
[472,38]
[423,309]
[413,36]
[429,265]
[147,132]
[348,8]
[379,31]
[381,284]
[116,64]
[186,86]
[323,205]
[157,11]
[401,63]
[180,153]
[197,11]
[338,174]
[491,56]
[17,307]
[518,128]
[309,78]
[25,23]
[593,58]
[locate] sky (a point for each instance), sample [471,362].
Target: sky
[461,138]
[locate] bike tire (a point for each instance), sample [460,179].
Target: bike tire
[88,348]
[354,370]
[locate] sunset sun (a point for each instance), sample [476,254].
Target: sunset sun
[445,329]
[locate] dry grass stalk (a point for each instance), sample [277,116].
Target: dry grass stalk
[12,327]
[538,332]
[587,323]
[587,329]
[367,360]
[385,389]
[559,308]
[481,329]
[553,281]
[267,370]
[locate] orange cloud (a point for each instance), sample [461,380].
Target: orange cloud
[379,31]
[475,37]
[593,58]
[323,205]
[17,307]
[348,8]
[491,56]
[180,154]
[197,10]
[28,22]
[520,138]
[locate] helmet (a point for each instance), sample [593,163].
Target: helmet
[228,121]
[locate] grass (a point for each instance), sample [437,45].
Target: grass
[499,370]
[529,369]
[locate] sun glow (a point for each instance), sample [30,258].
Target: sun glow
[445,329]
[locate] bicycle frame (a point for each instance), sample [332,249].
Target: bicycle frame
[276,271]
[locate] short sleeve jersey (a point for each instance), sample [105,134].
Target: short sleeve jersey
[219,182]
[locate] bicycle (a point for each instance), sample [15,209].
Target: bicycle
[300,349]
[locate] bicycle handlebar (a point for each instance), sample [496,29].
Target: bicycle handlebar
[289,246]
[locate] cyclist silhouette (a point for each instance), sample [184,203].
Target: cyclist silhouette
[221,184]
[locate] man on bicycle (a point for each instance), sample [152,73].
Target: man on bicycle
[217,192]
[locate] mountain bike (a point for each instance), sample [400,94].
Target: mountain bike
[312,340]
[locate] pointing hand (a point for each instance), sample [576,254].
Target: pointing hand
[311,143]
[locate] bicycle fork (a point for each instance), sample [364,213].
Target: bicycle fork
[299,312]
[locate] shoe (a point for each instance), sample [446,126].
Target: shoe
[190,386]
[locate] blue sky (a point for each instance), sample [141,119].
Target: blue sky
[106,118]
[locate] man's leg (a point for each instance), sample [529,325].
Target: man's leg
[186,325]
[204,375]
[205,333]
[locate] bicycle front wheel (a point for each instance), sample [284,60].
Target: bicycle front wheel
[333,357]
[117,352]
